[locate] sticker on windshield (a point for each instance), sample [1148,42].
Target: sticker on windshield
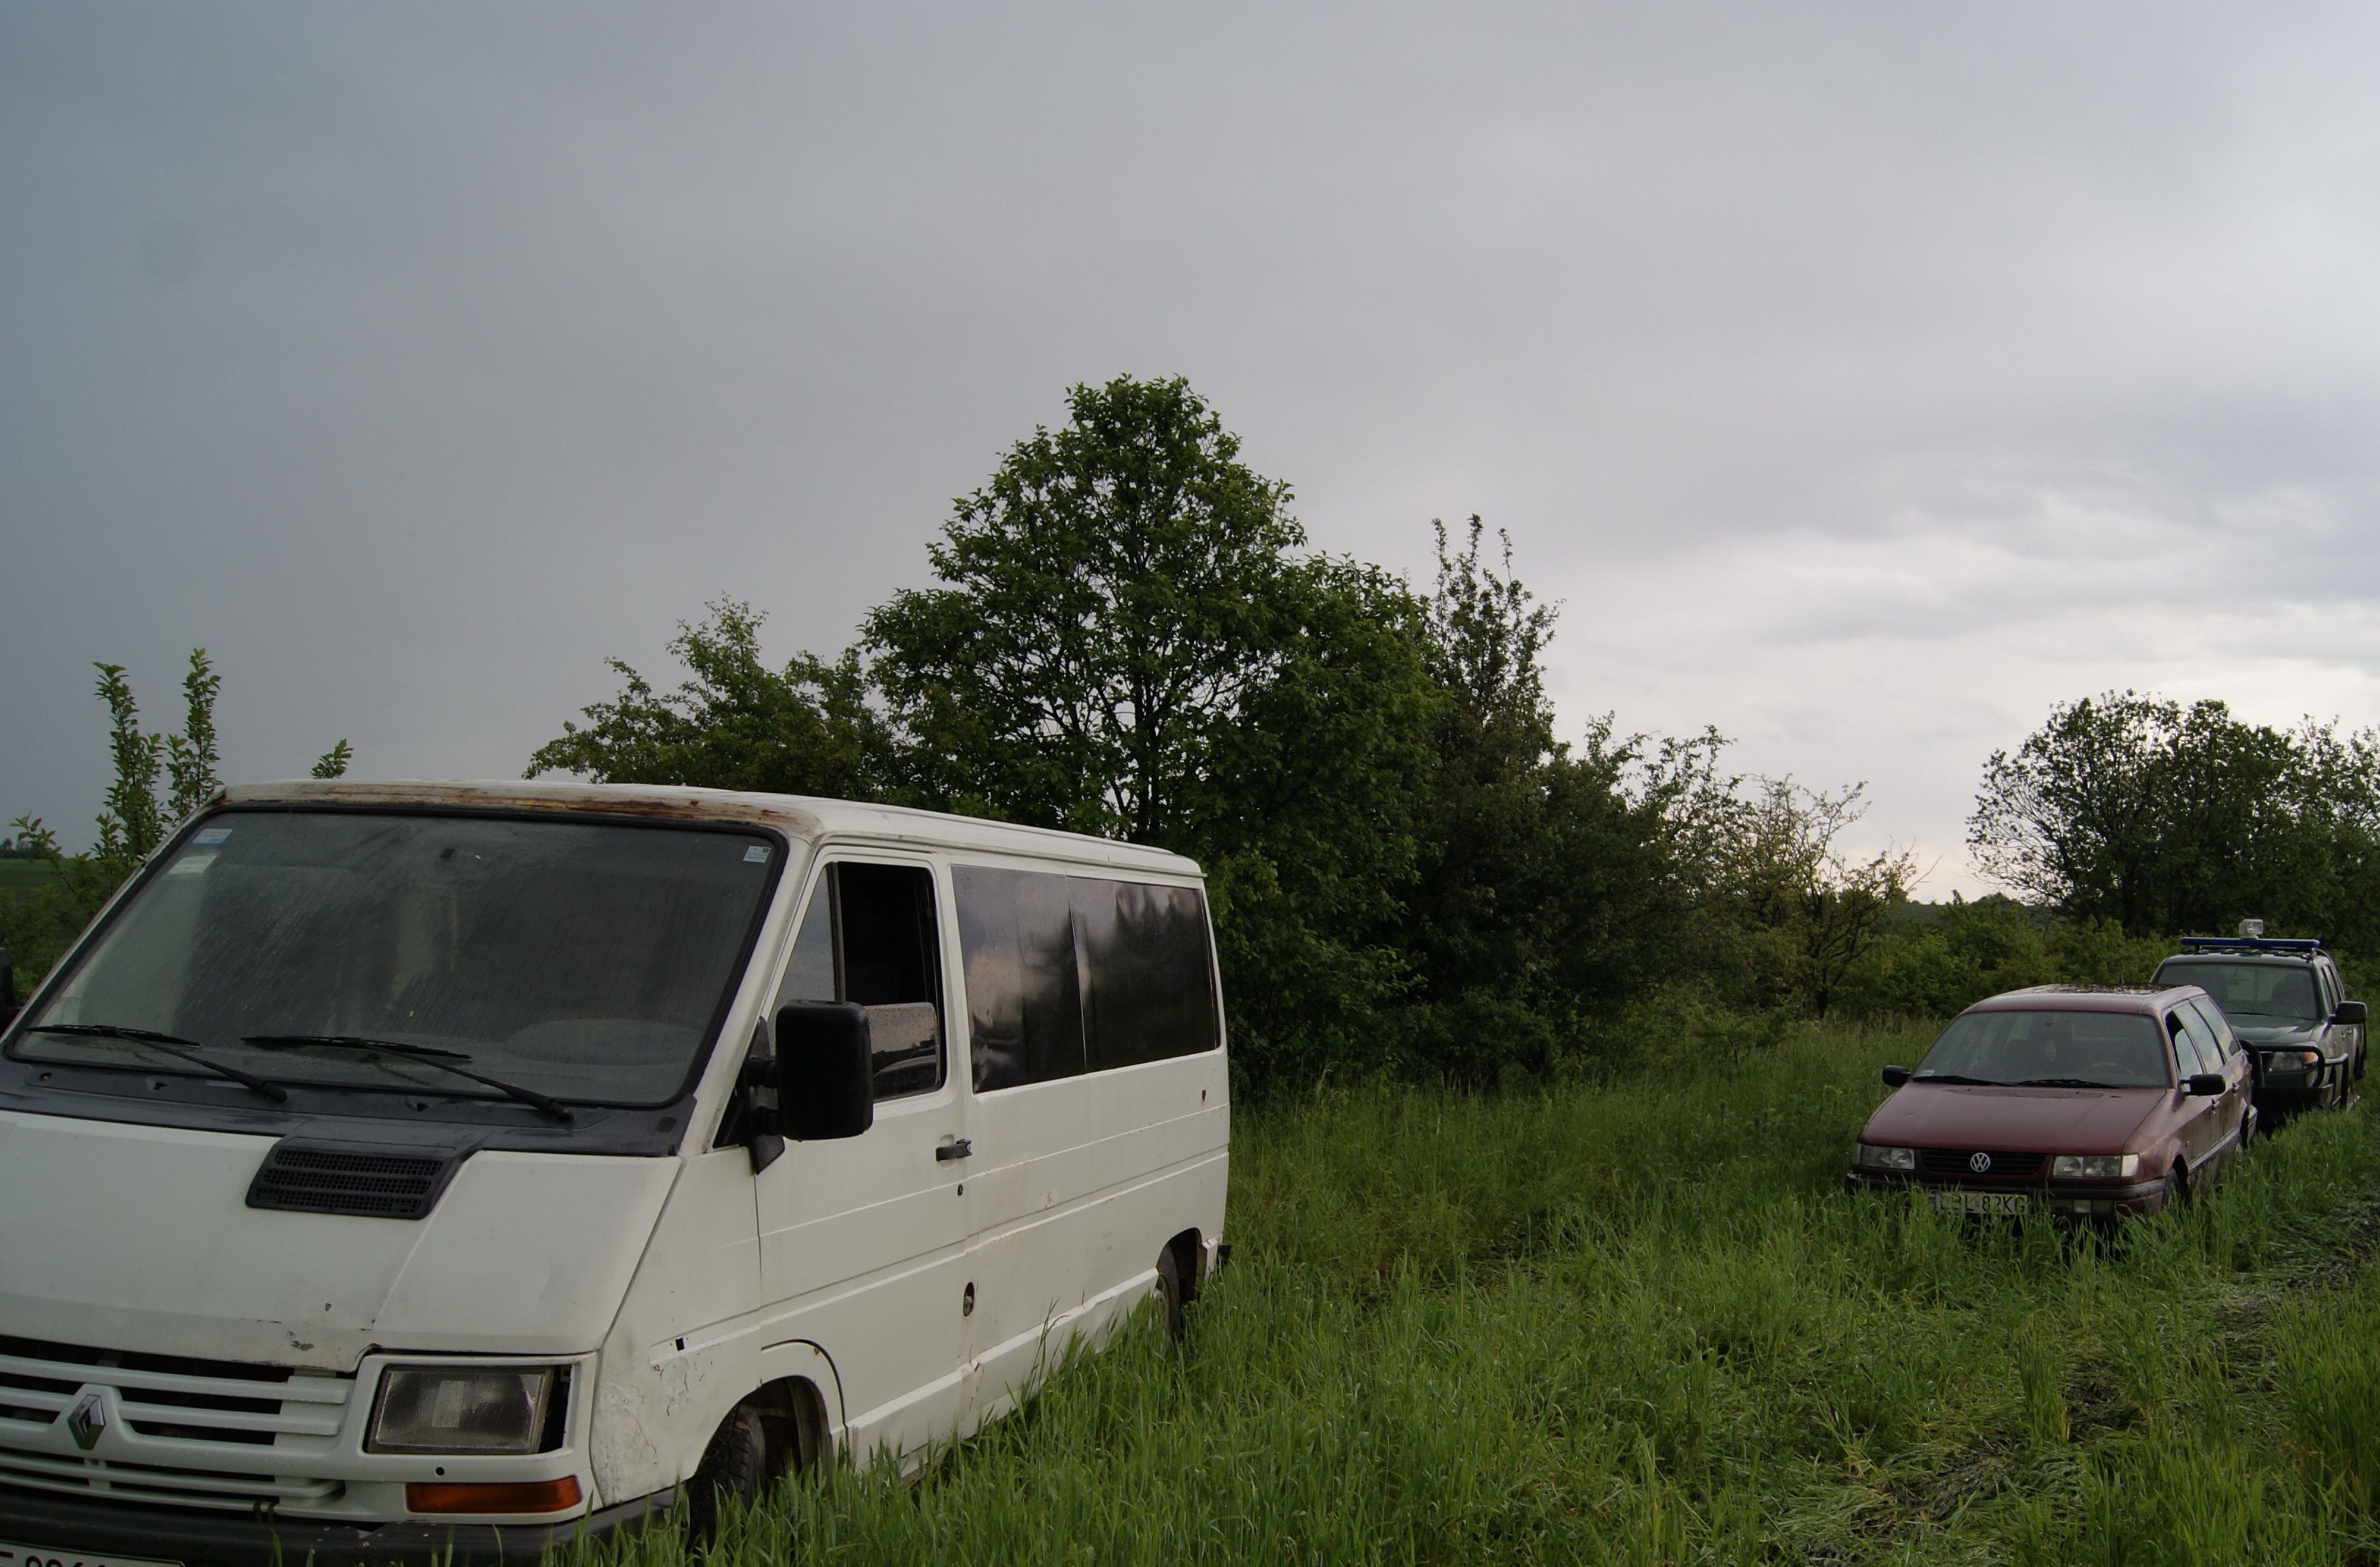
[210,836]
[757,855]
[190,865]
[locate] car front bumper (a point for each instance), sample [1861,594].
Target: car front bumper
[73,1528]
[2069,1199]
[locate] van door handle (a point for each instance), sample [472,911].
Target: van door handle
[957,1147]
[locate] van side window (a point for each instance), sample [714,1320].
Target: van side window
[1069,974]
[870,936]
[1024,998]
[1149,991]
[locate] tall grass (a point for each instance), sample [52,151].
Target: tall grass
[1638,1322]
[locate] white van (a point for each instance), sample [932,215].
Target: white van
[399,1165]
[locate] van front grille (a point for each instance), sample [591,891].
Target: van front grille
[160,1484]
[170,1396]
[364,1184]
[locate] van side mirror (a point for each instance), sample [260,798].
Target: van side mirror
[2205,1085]
[826,1074]
[2351,1013]
[1894,1076]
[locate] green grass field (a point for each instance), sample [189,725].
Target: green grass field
[1639,1323]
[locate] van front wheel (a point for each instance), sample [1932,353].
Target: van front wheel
[735,1463]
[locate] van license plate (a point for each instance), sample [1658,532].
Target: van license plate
[55,1556]
[1979,1202]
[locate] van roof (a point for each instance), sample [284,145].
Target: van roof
[800,816]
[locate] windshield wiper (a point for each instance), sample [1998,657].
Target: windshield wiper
[432,1055]
[170,1044]
[2061,1083]
[1953,1078]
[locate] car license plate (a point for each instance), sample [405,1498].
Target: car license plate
[56,1556]
[1955,1201]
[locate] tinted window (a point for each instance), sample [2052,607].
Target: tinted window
[586,959]
[1016,940]
[2192,1052]
[870,936]
[1147,986]
[2260,991]
[2112,1050]
[2217,1028]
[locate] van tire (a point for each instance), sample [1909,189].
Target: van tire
[1169,1292]
[735,1463]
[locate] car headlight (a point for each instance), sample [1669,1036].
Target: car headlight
[461,1409]
[1875,1157]
[2095,1166]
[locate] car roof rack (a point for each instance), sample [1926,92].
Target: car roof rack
[2250,944]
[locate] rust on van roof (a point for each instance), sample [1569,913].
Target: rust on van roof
[800,816]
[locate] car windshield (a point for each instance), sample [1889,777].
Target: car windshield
[2103,1050]
[582,960]
[2279,991]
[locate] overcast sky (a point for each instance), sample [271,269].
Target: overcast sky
[1862,378]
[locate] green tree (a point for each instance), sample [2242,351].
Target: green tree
[1127,641]
[37,927]
[734,723]
[1544,888]
[2163,818]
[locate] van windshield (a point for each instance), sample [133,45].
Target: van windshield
[582,960]
[2099,1049]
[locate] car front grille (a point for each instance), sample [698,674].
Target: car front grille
[1960,1161]
[178,1404]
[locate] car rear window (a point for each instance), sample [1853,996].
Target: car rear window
[2103,1050]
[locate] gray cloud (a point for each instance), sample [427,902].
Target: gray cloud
[1863,377]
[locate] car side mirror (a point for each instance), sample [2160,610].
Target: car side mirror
[826,1074]
[2351,1013]
[2205,1085]
[1894,1076]
[7,990]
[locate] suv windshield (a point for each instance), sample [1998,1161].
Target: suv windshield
[583,960]
[2100,1049]
[2279,991]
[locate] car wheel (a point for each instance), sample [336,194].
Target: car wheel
[2176,1188]
[735,1463]
[1169,1292]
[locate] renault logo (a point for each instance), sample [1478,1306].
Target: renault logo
[86,1420]
[1980,1163]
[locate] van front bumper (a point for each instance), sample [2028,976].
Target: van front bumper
[72,1527]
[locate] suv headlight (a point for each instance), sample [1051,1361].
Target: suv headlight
[461,1409]
[1875,1157]
[2095,1166]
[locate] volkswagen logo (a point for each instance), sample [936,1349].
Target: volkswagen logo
[1980,1162]
[86,1420]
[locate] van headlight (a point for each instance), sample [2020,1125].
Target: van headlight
[2095,1166]
[1875,1157]
[461,1409]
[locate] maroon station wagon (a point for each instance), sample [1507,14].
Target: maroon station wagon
[2079,1099]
